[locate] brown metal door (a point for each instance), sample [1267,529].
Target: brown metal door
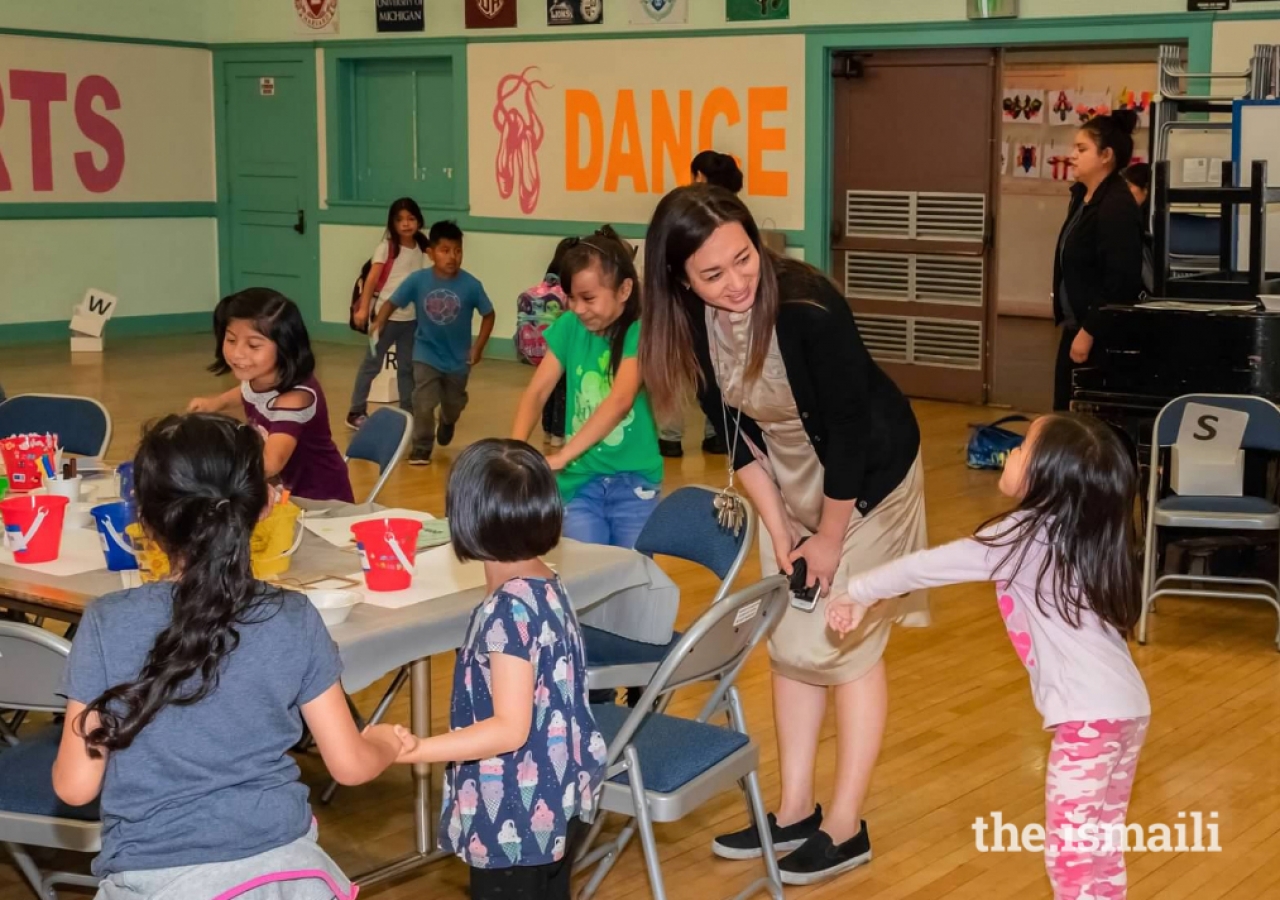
[913,171]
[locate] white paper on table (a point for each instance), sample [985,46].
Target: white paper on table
[337,531]
[436,573]
[81,552]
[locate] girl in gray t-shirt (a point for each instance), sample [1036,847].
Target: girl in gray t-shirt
[185,696]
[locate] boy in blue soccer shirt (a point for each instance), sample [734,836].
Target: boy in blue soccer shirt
[446,298]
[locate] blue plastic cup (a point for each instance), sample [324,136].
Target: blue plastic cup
[112,519]
[124,472]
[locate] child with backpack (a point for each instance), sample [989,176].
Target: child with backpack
[536,309]
[399,254]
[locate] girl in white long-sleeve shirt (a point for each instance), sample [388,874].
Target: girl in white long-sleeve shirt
[1065,567]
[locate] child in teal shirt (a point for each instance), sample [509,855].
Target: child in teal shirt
[609,470]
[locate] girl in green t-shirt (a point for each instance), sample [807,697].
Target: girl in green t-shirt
[609,469]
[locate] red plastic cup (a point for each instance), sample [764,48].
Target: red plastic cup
[387,548]
[33,526]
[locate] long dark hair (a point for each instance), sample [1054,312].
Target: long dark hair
[277,318]
[1114,132]
[201,487]
[1080,487]
[409,205]
[614,256]
[672,313]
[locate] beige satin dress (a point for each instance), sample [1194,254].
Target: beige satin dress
[803,648]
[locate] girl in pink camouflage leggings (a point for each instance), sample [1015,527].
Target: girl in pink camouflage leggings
[1065,567]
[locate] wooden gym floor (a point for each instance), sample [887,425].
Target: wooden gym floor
[963,739]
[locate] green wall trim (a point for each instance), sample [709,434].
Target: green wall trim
[18,333]
[375,214]
[195,209]
[503,348]
[107,38]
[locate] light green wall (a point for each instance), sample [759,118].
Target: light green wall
[155,266]
[259,20]
[157,20]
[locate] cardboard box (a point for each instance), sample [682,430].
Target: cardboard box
[385,388]
[1195,474]
[83,343]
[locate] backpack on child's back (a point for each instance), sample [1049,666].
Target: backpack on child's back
[357,290]
[536,309]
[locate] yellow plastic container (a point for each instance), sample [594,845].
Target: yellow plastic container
[153,564]
[275,539]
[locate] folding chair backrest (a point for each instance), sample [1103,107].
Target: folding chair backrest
[714,649]
[382,440]
[31,665]
[684,526]
[1262,432]
[82,424]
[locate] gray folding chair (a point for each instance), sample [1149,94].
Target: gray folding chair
[381,440]
[31,815]
[683,526]
[1255,516]
[82,424]
[662,767]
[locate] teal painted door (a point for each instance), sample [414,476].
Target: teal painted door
[404,136]
[434,87]
[270,145]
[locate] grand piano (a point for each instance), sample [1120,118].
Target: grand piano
[1205,332]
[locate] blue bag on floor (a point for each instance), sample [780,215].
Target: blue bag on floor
[990,445]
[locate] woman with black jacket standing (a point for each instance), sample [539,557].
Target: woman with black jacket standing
[828,450]
[1099,258]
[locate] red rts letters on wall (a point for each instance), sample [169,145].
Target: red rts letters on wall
[40,91]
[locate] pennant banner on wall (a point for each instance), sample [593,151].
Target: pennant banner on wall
[659,12]
[316,16]
[491,13]
[575,12]
[755,10]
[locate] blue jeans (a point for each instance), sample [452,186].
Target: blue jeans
[611,510]
[397,334]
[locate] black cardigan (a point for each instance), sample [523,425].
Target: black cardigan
[860,424]
[1101,261]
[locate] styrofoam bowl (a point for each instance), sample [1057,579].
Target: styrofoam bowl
[334,606]
[1270,302]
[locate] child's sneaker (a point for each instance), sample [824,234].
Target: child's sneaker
[355,420]
[419,459]
[819,858]
[745,844]
[444,433]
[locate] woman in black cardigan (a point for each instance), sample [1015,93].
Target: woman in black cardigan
[828,450]
[1099,256]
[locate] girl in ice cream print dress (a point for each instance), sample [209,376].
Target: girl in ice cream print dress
[523,751]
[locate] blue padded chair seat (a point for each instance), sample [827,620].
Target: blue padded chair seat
[1247,506]
[604,648]
[673,751]
[26,780]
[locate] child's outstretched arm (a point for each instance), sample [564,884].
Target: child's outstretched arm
[216,403]
[955,563]
[545,378]
[351,757]
[608,415]
[506,732]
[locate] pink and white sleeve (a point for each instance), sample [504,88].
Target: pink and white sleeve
[955,563]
